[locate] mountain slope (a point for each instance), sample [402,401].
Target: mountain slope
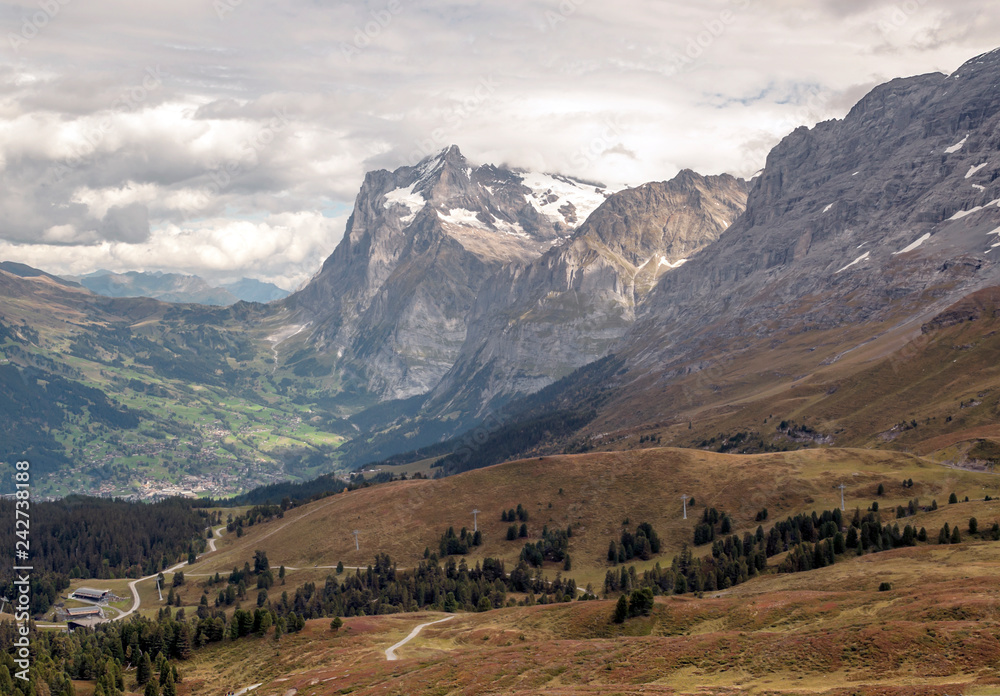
[135,397]
[532,325]
[857,233]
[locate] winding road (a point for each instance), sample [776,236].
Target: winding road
[173,569]
[390,653]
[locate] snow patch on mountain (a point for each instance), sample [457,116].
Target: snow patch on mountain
[414,202]
[676,264]
[463,217]
[975,168]
[956,147]
[551,192]
[913,246]
[963,213]
[861,258]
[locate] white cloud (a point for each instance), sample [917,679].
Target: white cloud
[284,249]
[252,126]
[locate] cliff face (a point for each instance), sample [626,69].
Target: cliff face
[893,208]
[389,306]
[532,324]
[861,228]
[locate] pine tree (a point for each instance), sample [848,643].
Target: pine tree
[182,642]
[169,689]
[944,536]
[973,525]
[621,610]
[952,499]
[151,689]
[144,672]
[641,602]
[956,536]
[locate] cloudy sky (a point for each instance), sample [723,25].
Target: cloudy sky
[228,138]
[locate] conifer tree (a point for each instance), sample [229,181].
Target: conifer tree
[621,610]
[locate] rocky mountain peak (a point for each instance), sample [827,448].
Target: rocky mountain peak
[663,223]
[391,302]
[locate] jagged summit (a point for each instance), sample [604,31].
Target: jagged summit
[488,197]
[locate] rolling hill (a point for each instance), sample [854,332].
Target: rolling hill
[826,631]
[594,494]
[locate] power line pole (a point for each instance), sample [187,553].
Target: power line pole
[475,520]
[684,501]
[842,487]
[357,546]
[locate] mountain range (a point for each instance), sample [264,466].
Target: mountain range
[178,288]
[563,315]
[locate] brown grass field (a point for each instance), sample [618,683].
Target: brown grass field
[828,631]
[599,491]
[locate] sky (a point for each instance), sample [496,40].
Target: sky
[228,138]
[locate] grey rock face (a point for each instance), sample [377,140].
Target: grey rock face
[890,211]
[532,324]
[391,302]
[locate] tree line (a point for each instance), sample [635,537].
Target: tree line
[83,537]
